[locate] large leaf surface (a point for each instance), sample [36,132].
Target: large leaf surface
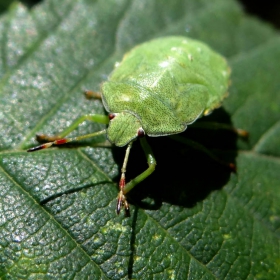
[192,219]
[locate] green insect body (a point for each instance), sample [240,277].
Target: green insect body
[165,84]
[159,88]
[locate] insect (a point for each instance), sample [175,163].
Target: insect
[159,88]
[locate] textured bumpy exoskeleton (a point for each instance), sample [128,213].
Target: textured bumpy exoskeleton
[159,88]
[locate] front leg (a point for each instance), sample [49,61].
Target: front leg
[60,138]
[125,188]
[91,117]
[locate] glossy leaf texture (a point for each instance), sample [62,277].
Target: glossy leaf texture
[192,219]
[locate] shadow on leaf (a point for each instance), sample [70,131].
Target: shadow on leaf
[183,176]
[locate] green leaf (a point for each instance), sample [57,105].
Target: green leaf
[192,219]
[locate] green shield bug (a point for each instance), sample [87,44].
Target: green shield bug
[158,89]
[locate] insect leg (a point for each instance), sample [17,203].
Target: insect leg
[215,126]
[92,94]
[65,140]
[91,117]
[151,167]
[201,148]
[121,197]
[60,139]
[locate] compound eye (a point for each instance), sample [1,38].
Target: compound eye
[141,132]
[111,116]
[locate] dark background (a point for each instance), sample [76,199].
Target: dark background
[268,10]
